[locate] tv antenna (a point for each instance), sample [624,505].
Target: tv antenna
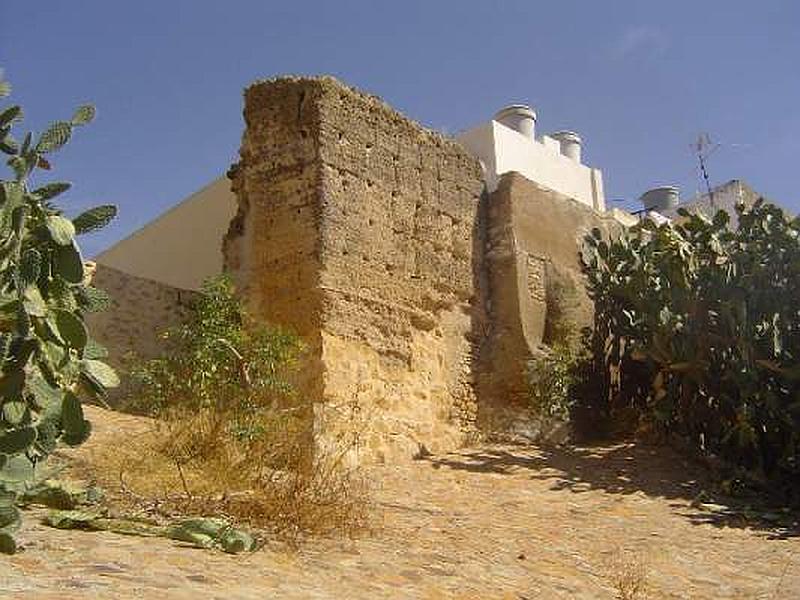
[704,148]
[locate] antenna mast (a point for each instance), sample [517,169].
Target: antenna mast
[703,147]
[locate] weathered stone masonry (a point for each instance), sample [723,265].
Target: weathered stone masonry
[420,297]
[358,229]
[141,311]
[536,289]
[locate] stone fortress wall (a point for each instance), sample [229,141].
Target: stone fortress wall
[419,294]
[141,311]
[357,228]
[537,295]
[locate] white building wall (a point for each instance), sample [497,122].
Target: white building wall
[183,246]
[502,149]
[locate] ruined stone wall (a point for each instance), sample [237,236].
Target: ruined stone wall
[536,288]
[360,229]
[273,244]
[140,311]
[419,297]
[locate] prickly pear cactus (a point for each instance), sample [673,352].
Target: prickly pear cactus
[48,361]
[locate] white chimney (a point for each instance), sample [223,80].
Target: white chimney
[519,117]
[570,143]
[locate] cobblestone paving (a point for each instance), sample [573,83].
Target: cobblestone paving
[493,522]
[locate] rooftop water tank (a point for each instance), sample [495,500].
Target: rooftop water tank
[519,117]
[570,143]
[661,198]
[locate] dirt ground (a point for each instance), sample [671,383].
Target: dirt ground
[492,522]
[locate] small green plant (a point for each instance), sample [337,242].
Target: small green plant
[551,380]
[48,361]
[221,382]
[221,359]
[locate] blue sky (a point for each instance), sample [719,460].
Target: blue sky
[639,80]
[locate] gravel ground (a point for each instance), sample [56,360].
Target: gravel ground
[493,522]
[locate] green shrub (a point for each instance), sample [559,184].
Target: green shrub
[230,433]
[551,383]
[697,327]
[47,358]
[220,359]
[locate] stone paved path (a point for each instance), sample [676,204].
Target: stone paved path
[495,522]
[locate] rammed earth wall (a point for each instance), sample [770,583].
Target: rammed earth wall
[419,297]
[536,289]
[360,229]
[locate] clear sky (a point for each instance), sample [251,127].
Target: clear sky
[637,79]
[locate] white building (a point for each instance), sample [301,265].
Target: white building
[509,143]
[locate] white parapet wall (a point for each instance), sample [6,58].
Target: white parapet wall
[502,149]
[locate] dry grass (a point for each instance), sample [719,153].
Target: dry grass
[628,572]
[191,464]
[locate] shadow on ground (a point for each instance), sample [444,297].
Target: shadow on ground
[628,468]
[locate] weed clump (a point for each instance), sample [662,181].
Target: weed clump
[628,572]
